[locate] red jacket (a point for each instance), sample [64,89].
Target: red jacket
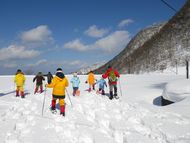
[105,75]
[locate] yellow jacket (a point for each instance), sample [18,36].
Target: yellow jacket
[19,79]
[58,85]
[91,79]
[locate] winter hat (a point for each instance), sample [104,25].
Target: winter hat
[19,70]
[59,73]
[59,70]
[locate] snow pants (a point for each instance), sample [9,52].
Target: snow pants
[21,90]
[61,104]
[36,89]
[113,87]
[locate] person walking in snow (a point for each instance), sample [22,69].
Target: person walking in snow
[39,82]
[112,76]
[75,83]
[49,77]
[91,81]
[102,84]
[19,81]
[59,84]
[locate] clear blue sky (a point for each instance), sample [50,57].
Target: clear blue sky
[41,35]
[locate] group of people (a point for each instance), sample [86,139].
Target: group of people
[59,83]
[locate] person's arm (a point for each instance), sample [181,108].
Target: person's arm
[15,79]
[52,84]
[66,83]
[117,74]
[105,75]
[24,79]
[34,79]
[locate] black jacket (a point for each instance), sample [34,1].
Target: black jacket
[39,79]
[49,77]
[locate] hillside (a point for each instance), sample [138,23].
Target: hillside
[157,47]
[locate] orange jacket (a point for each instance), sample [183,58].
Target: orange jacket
[58,84]
[91,78]
[19,79]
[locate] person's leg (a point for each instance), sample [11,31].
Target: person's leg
[103,92]
[41,88]
[22,91]
[17,91]
[53,104]
[115,90]
[62,106]
[74,90]
[93,86]
[89,88]
[111,91]
[36,89]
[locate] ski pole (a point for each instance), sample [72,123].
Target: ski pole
[69,97]
[120,87]
[44,101]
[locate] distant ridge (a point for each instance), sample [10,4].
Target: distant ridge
[156,47]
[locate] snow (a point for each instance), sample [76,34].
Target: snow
[135,117]
[176,91]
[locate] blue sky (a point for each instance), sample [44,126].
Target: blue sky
[41,35]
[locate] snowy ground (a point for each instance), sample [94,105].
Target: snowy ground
[135,118]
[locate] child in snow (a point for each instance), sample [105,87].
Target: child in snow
[75,82]
[59,84]
[101,83]
[39,82]
[19,80]
[49,77]
[112,76]
[91,81]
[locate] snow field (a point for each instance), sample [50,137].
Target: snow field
[94,118]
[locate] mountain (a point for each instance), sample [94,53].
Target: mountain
[157,47]
[87,69]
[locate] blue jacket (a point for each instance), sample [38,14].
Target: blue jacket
[101,83]
[75,81]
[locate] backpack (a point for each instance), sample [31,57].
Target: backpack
[112,77]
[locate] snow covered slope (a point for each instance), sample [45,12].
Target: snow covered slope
[135,117]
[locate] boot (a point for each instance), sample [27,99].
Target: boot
[22,94]
[17,93]
[93,86]
[111,95]
[103,92]
[62,110]
[53,103]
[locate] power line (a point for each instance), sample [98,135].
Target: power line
[168,5]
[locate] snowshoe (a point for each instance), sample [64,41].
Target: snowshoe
[116,97]
[53,110]
[63,114]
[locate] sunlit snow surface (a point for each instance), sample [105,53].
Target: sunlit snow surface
[135,117]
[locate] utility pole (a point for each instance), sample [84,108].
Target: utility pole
[187,69]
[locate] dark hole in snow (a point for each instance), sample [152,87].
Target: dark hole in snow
[160,101]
